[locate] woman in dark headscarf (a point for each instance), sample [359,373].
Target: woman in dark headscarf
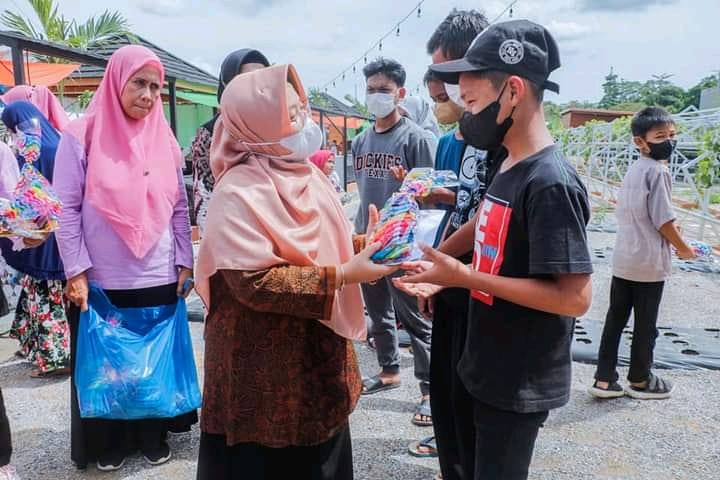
[240,61]
[40,321]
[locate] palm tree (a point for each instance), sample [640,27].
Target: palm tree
[50,25]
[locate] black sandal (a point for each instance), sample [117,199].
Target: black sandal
[423,410]
[428,444]
[613,391]
[656,389]
[375,385]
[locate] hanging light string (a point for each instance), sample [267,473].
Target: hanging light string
[395,30]
[508,8]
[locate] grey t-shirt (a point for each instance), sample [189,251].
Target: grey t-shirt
[375,153]
[644,205]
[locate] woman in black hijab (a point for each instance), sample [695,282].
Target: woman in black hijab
[240,61]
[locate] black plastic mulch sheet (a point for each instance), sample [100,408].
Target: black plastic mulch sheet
[676,348]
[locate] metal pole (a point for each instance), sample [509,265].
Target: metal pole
[345,153]
[173,105]
[18,64]
[322,128]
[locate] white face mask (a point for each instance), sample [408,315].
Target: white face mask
[453,92]
[380,104]
[303,143]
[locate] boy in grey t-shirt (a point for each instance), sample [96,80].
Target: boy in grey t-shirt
[392,141]
[641,260]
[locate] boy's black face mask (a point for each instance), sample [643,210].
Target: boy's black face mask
[662,150]
[482,130]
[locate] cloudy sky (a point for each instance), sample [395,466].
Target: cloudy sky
[638,38]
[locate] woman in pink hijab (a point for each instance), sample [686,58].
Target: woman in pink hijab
[278,272]
[125,227]
[325,161]
[43,99]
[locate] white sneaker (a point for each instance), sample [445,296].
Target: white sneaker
[8,472]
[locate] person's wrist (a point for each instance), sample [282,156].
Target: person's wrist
[464,276]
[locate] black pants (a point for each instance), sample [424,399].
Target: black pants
[5,439]
[504,442]
[625,296]
[452,405]
[92,438]
[331,460]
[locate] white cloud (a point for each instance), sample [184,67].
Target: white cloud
[165,8]
[567,30]
[322,37]
[617,5]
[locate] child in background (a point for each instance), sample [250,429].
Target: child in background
[642,260]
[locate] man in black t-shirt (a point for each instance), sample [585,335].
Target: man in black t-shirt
[530,273]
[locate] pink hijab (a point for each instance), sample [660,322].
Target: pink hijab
[266,212]
[321,158]
[132,165]
[43,99]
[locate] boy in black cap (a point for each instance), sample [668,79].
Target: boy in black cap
[530,274]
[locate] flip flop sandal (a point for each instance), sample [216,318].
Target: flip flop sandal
[423,410]
[375,385]
[428,444]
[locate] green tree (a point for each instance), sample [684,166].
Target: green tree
[50,25]
[611,90]
[317,98]
[357,105]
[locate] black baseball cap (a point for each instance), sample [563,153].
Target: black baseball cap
[517,47]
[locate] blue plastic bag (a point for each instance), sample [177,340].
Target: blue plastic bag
[135,363]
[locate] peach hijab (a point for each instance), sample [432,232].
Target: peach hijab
[267,212]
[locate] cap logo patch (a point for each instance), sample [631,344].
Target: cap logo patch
[511,52]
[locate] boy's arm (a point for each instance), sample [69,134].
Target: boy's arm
[460,242]
[559,260]
[672,234]
[563,294]
[662,215]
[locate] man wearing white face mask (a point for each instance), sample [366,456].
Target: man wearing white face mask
[393,141]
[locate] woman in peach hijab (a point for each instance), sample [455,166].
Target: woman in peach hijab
[278,274]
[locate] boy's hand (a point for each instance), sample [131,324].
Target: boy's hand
[445,271]
[439,196]
[686,254]
[399,172]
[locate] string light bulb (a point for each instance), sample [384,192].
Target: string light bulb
[354,69]
[419,12]
[397,33]
[511,12]
[380,46]
[365,58]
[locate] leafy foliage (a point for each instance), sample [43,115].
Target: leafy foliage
[50,25]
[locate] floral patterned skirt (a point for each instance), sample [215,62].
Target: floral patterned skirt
[41,323]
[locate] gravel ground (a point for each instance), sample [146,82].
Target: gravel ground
[621,440]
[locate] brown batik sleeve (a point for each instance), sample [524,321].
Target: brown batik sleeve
[305,292]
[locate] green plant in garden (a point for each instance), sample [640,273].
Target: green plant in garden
[708,168]
[84,98]
[621,128]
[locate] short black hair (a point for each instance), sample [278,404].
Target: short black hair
[498,78]
[430,76]
[455,34]
[649,118]
[388,67]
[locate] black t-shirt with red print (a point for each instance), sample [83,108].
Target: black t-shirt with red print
[531,225]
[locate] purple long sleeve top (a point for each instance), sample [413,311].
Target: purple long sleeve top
[88,243]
